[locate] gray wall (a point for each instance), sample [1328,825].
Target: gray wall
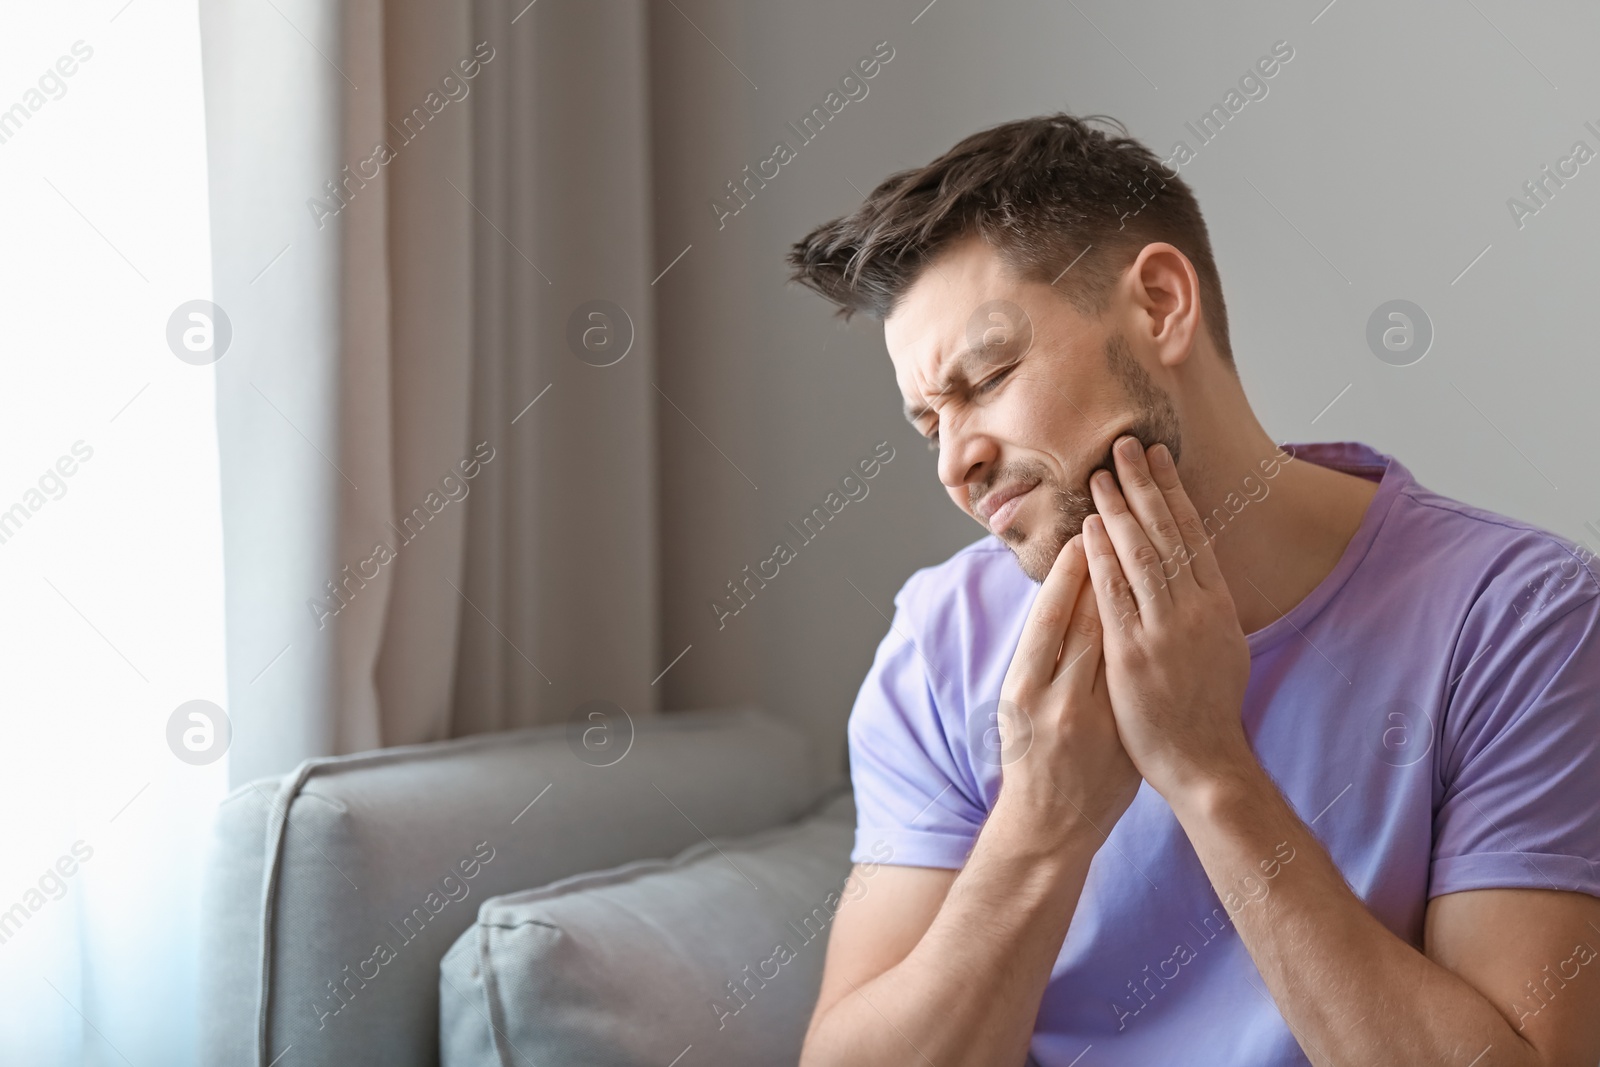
[1378,166]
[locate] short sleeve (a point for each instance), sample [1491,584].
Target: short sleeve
[914,806]
[1521,773]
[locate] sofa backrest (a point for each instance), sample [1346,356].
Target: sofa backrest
[332,893]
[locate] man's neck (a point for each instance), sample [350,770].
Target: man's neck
[1279,525]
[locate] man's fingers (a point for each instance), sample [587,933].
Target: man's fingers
[1146,497]
[1118,608]
[1080,651]
[1137,559]
[1197,545]
[1046,628]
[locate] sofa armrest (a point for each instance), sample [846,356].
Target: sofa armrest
[332,893]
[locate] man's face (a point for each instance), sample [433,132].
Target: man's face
[1023,393]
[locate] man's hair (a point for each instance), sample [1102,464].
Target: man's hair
[1046,193]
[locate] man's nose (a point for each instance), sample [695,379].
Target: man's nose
[965,452]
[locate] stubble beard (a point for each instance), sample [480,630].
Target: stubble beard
[1156,421]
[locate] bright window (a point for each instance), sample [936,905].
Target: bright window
[110,531]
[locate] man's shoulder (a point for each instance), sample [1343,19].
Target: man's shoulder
[1503,562]
[1432,541]
[1501,541]
[986,566]
[969,603]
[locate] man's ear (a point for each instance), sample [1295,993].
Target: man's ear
[1166,292]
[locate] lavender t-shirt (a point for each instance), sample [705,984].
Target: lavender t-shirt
[1431,710]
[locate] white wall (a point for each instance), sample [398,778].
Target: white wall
[1377,167]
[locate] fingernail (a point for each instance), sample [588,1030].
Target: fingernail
[1160,456]
[1128,447]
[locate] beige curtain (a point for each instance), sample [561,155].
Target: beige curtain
[561,557]
[438,519]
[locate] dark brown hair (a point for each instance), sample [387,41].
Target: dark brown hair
[1045,193]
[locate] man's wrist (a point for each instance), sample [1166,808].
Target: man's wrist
[1219,766]
[1048,833]
[1213,795]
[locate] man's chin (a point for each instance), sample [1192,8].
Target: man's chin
[1035,553]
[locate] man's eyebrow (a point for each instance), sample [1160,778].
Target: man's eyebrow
[956,373]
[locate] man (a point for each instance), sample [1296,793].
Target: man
[1245,755]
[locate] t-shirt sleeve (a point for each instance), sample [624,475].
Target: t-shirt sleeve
[1521,775]
[914,806]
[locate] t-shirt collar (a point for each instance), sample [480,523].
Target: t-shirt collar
[1351,457]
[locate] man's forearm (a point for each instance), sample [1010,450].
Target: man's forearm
[969,992]
[1349,989]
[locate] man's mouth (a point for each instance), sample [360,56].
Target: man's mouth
[1001,508]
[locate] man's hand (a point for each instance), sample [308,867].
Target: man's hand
[911,953]
[1062,762]
[1177,662]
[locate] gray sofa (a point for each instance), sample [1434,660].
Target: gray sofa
[333,893]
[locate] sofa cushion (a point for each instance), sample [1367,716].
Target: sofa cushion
[711,957]
[333,892]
